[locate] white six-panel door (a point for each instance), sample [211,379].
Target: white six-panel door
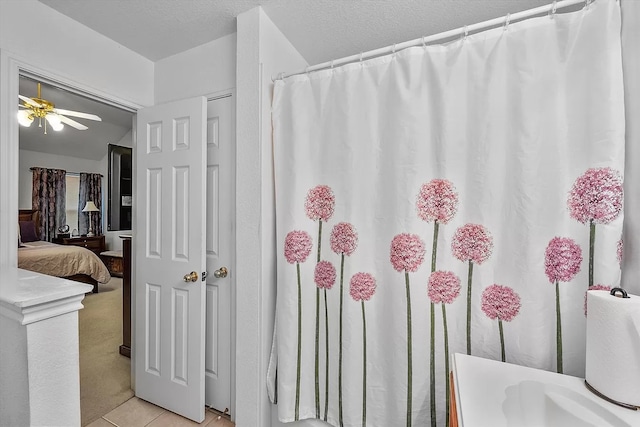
[170,243]
[220,231]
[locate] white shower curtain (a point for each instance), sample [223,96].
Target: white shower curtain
[454,198]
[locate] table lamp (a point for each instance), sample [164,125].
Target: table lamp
[90,207]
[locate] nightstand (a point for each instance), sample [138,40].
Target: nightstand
[95,244]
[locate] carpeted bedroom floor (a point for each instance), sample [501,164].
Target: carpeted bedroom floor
[105,375]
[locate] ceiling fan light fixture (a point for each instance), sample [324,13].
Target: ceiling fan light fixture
[54,122]
[25,118]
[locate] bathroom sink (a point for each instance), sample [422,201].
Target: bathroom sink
[493,393]
[534,404]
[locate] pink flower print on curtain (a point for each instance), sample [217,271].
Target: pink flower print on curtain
[344,240]
[297,247]
[319,206]
[407,254]
[438,202]
[443,287]
[361,288]
[596,198]
[562,260]
[594,288]
[620,251]
[502,303]
[472,243]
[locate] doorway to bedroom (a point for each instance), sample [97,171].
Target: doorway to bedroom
[105,374]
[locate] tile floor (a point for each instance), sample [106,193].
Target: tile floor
[138,413]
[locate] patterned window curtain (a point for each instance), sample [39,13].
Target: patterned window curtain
[90,190]
[48,196]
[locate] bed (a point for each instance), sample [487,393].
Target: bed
[69,262]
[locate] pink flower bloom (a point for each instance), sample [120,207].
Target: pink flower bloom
[437,201]
[297,246]
[500,302]
[325,275]
[344,238]
[320,203]
[596,195]
[620,251]
[562,259]
[443,287]
[472,242]
[407,252]
[362,286]
[594,288]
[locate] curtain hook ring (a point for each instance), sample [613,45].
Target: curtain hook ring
[281,76]
[394,49]
[507,20]
[360,56]
[424,43]
[466,32]
[332,64]
[587,4]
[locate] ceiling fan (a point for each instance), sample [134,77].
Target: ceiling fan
[56,117]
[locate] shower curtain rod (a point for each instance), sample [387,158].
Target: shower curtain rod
[440,36]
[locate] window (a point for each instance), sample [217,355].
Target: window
[73,194]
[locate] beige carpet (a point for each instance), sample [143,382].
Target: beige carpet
[105,375]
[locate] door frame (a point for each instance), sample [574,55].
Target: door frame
[11,67]
[231,93]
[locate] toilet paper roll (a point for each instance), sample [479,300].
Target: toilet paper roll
[613,346]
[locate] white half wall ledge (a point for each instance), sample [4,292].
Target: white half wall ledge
[27,297]
[39,371]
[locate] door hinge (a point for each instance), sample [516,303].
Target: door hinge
[204,276]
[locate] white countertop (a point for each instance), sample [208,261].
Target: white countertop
[493,393]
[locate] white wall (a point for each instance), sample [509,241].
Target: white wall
[41,36]
[263,51]
[203,70]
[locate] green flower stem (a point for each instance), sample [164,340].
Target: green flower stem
[469,280]
[340,352]
[432,370]
[318,327]
[317,352]
[592,245]
[326,334]
[446,361]
[364,367]
[434,251]
[558,329]
[297,410]
[501,339]
[409,358]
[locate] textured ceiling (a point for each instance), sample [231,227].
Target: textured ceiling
[321,30]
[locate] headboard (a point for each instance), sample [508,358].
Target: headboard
[30,215]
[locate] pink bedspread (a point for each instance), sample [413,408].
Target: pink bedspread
[61,261]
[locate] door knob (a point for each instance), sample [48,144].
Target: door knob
[221,272]
[191,277]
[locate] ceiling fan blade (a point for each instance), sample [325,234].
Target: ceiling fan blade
[72,123]
[29,101]
[77,114]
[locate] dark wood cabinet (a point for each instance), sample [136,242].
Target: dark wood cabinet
[95,244]
[125,348]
